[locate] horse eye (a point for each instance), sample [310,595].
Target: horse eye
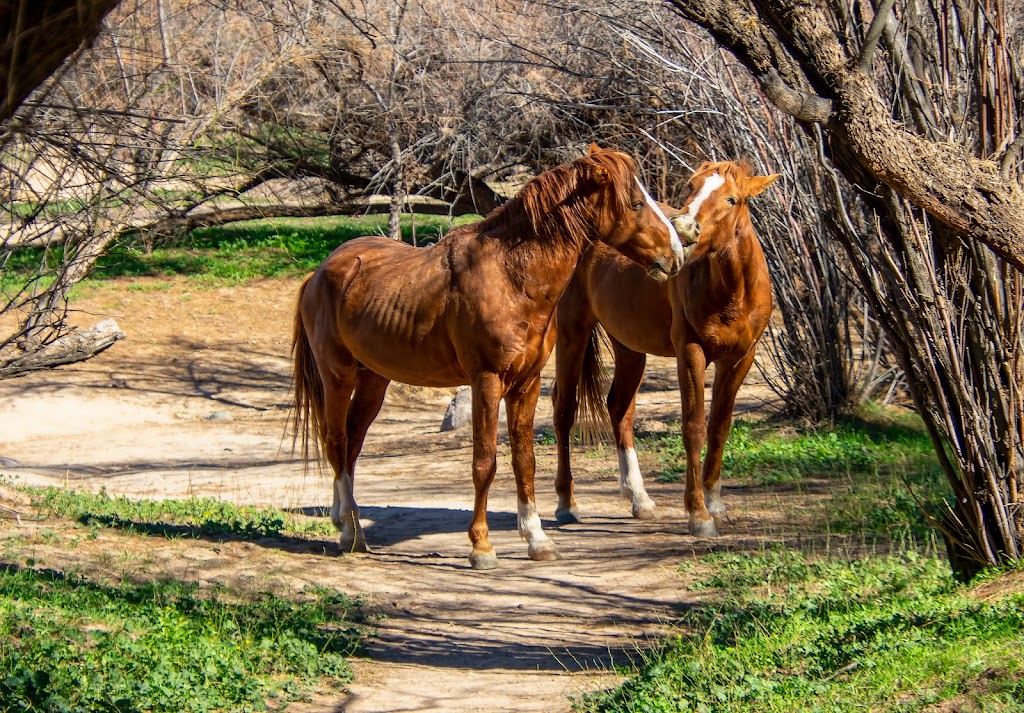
[638,205]
[731,201]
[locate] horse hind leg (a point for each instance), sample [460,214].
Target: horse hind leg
[569,360]
[338,386]
[629,372]
[366,402]
[363,407]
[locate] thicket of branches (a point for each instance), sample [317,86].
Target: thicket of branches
[917,107]
[826,352]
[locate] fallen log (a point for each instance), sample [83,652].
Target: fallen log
[77,346]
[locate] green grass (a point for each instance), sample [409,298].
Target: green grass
[69,644]
[766,454]
[233,253]
[192,517]
[876,474]
[789,632]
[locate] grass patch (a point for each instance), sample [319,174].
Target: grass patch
[765,454]
[787,632]
[233,253]
[69,644]
[191,517]
[876,472]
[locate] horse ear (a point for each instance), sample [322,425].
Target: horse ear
[594,148]
[757,184]
[599,175]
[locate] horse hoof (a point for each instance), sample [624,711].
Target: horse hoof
[704,528]
[544,553]
[569,516]
[483,560]
[646,511]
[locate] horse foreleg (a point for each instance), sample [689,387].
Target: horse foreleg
[629,372]
[728,379]
[692,364]
[486,396]
[521,406]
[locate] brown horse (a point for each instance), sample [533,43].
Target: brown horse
[475,308]
[714,310]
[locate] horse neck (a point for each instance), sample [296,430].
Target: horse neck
[542,269]
[540,261]
[735,255]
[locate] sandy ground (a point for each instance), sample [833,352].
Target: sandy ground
[195,402]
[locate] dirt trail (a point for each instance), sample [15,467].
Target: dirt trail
[195,401]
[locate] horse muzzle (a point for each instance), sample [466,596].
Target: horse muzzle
[664,268]
[687,228]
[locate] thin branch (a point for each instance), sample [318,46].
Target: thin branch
[874,34]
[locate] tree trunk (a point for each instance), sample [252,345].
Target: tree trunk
[39,36]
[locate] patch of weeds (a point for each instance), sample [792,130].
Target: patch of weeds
[786,632]
[545,437]
[766,455]
[876,472]
[69,644]
[195,517]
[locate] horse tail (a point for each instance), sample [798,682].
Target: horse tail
[308,405]
[594,424]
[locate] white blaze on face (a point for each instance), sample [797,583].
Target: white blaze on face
[711,184]
[677,246]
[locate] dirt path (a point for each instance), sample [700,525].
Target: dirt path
[195,401]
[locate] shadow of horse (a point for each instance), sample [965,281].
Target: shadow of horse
[393,525]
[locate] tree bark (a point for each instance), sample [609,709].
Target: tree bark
[71,348]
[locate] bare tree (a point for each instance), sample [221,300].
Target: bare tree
[637,79]
[119,144]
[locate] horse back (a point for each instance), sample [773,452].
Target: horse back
[386,305]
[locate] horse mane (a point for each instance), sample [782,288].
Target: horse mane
[739,169]
[550,208]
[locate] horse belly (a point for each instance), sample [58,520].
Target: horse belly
[427,359]
[644,326]
[634,309]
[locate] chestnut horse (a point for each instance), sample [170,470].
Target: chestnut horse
[714,310]
[475,308]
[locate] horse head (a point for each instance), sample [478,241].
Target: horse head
[718,198]
[627,218]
